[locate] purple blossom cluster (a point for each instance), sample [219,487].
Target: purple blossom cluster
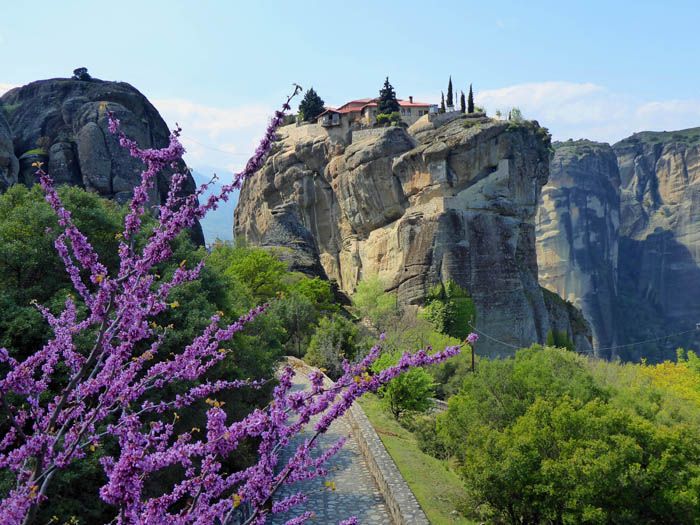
[108,384]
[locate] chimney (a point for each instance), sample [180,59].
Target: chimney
[410,99]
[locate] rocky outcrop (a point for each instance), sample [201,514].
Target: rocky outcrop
[63,123]
[439,201]
[9,165]
[660,236]
[578,221]
[639,281]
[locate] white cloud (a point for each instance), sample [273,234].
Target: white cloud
[224,137]
[587,110]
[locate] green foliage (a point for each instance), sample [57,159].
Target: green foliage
[429,439]
[462,103]
[383,119]
[373,303]
[260,271]
[334,340]
[30,269]
[450,309]
[470,100]
[9,108]
[409,392]
[450,375]
[515,115]
[450,98]
[387,102]
[35,151]
[566,461]
[311,105]
[552,437]
[560,339]
[442,102]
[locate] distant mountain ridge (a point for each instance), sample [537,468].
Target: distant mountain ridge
[217,224]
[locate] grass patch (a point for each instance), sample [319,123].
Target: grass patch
[438,490]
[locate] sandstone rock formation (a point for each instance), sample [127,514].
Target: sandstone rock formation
[660,234]
[639,281]
[578,222]
[63,123]
[446,199]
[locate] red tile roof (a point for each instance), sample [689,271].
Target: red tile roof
[362,103]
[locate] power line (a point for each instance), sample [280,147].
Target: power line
[481,332]
[493,338]
[647,341]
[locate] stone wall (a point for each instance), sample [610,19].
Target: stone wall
[295,133]
[402,504]
[364,133]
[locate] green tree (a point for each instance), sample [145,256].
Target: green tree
[311,106]
[462,104]
[442,102]
[559,339]
[515,115]
[260,271]
[470,100]
[409,392]
[387,102]
[30,269]
[450,101]
[566,461]
[334,340]
[373,303]
[450,309]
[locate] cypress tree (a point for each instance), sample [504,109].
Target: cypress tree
[442,101]
[470,101]
[449,93]
[462,107]
[311,106]
[387,102]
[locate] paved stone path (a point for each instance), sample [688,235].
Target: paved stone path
[356,492]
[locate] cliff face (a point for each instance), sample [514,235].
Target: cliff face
[63,123]
[417,206]
[578,222]
[618,234]
[9,165]
[660,233]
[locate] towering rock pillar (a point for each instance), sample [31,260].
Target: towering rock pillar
[577,234]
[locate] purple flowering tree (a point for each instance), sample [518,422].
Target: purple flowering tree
[106,392]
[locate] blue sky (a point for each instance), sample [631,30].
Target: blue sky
[593,69]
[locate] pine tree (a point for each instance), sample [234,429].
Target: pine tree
[311,106]
[449,93]
[442,101]
[462,107]
[387,102]
[470,101]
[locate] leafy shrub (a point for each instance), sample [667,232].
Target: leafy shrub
[450,309]
[560,339]
[429,440]
[334,340]
[383,119]
[409,392]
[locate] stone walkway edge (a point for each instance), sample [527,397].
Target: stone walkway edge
[402,503]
